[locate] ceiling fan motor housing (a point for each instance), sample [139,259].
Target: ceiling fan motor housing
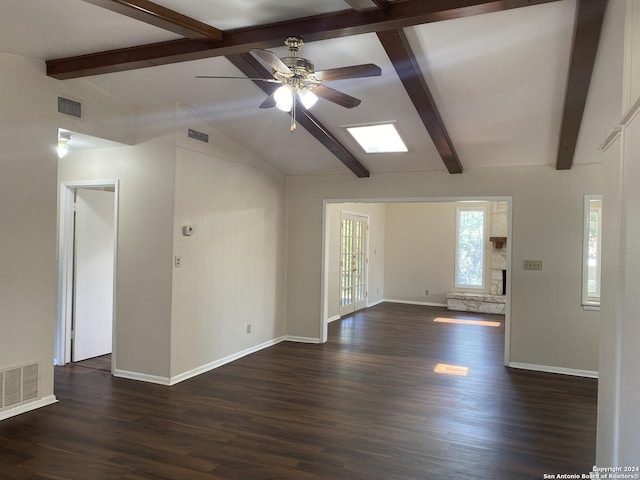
[299,66]
[293,43]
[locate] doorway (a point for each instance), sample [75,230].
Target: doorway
[87,252]
[407,258]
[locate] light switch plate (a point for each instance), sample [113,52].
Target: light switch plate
[532,264]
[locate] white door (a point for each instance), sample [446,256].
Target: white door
[93,280]
[353,263]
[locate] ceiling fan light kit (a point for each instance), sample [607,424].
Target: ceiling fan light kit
[284,98]
[307,97]
[300,81]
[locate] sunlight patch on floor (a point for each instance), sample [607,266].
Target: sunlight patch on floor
[460,321]
[451,369]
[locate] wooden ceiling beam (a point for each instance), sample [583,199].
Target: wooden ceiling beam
[583,58]
[366,5]
[248,65]
[404,61]
[401,13]
[159,16]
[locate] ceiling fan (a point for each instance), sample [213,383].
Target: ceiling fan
[300,82]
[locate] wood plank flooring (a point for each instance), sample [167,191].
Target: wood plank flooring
[365,405]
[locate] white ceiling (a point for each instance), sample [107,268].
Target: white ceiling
[498,79]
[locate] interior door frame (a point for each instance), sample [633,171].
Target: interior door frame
[65,266]
[324,283]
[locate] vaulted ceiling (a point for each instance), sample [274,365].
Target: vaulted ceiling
[468,83]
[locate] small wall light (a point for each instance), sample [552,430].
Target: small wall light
[64,138]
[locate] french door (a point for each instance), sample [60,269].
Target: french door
[353,263]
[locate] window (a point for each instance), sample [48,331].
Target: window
[470,247]
[592,248]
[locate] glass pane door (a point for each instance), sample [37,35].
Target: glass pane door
[353,263]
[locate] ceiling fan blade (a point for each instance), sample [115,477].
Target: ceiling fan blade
[270,102]
[270,80]
[354,71]
[335,96]
[271,59]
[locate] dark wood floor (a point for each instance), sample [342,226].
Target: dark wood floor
[366,405]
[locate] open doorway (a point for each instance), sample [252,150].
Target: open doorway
[86,276]
[412,253]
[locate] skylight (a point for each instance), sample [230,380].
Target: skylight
[380,138]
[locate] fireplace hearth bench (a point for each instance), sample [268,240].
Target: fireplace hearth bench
[476,302]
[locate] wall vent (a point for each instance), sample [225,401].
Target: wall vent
[29,382]
[19,384]
[196,135]
[69,107]
[12,381]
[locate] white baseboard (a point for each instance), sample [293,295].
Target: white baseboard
[223,361]
[230,358]
[212,365]
[141,377]
[293,338]
[550,369]
[409,302]
[377,302]
[27,407]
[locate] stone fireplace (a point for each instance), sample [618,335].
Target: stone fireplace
[498,252]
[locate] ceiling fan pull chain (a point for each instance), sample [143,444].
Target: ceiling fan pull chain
[293,112]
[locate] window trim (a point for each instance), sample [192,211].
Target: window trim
[483,286]
[590,303]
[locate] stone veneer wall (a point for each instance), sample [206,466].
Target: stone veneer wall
[476,302]
[498,256]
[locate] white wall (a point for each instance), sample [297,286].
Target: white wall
[631,82]
[28,162]
[548,325]
[617,78]
[609,381]
[420,252]
[144,251]
[175,322]
[233,266]
[28,199]
[629,326]
[103,115]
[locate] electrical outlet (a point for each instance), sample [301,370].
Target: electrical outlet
[532,264]
[178,261]
[248,328]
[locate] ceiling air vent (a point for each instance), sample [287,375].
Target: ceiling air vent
[196,135]
[69,107]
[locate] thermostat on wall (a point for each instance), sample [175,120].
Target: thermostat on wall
[187,230]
